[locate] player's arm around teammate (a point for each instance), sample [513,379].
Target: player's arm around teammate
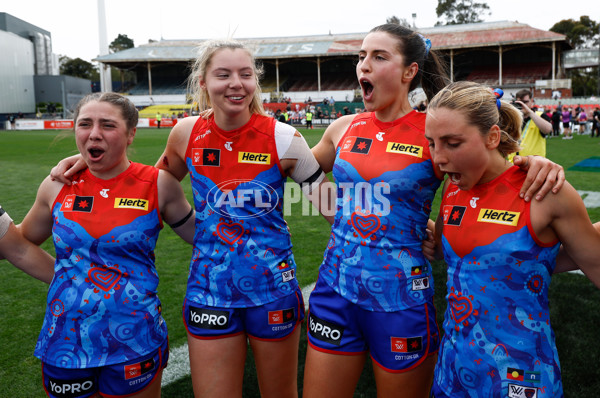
[23,254]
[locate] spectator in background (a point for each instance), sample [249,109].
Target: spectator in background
[11,121]
[596,122]
[309,118]
[158,119]
[319,113]
[556,117]
[536,125]
[582,118]
[566,121]
[575,119]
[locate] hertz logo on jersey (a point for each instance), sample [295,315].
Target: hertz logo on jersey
[407,149]
[503,217]
[256,158]
[127,203]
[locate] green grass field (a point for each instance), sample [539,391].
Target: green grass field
[27,156]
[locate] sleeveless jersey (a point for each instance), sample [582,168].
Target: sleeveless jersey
[242,248]
[386,183]
[103,307]
[497,341]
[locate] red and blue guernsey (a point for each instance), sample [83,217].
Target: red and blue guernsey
[242,248]
[102,303]
[386,184]
[498,341]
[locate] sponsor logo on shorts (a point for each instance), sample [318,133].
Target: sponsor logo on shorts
[208,319]
[407,344]
[503,217]
[327,332]
[281,316]
[138,369]
[453,215]
[256,158]
[405,149]
[78,203]
[128,203]
[206,157]
[420,283]
[517,391]
[70,388]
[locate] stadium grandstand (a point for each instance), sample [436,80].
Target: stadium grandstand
[503,54]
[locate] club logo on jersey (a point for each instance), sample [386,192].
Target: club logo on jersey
[254,158]
[503,217]
[208,319]
[407,344]
[357,145]
[517,391]
[104,192]
[288,275]
[128,203]
[78,203]
[70,388]
[138,369]
[420,283]
[242,198]
[362,145]
[327,332]
[453,215]
[228,145]
[206,157]
[379,136]
[406,149]
[281,316]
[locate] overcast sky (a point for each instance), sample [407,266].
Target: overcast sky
[73,24]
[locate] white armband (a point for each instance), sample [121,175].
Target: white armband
[5,221]
[307,172]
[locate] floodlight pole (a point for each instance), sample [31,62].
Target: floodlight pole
[105,78]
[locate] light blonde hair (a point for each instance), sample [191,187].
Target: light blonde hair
[202,63]
[478,104]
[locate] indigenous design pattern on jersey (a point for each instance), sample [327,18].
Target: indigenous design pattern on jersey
[498,340]
[386,183]
[242,248]
[102,303]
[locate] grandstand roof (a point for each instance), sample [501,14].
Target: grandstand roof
[484,34]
